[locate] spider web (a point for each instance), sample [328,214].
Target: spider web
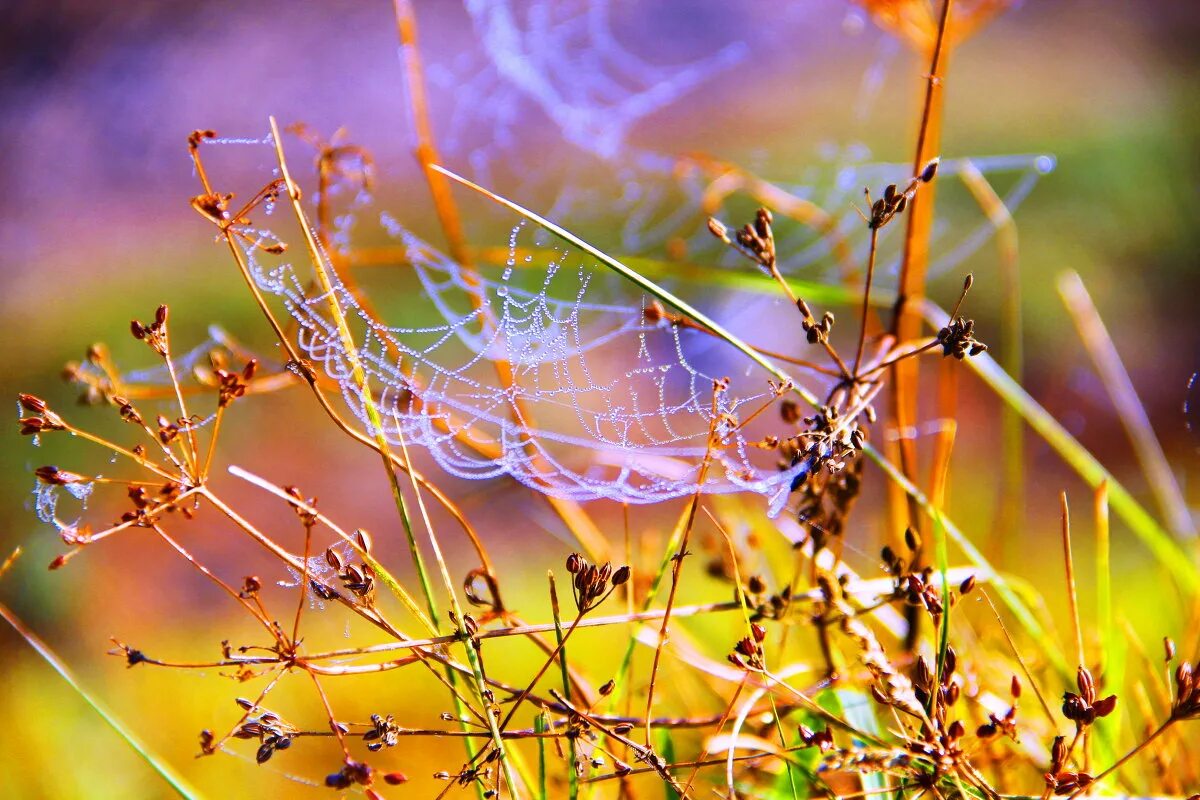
[566,57]
[604,401]
[572,61]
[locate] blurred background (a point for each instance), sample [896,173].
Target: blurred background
[96,102]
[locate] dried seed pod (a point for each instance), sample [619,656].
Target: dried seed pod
[1087,684]
[333,560]
[1058,753]
[912,539]
[929,171]
[1105,706]
[363,539]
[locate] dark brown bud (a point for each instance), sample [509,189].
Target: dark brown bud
[621,575]
[930,170]
[912,539]
[32,404]
[333,560]
[967,586]
[1073,708]
[574,563]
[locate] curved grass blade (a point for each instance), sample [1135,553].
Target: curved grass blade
[156,763]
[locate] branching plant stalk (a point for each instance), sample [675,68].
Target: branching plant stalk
[905,323]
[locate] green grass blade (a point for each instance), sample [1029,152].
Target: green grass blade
[174,779]
[1164,547]
[539,726]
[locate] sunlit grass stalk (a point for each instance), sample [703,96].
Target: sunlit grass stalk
[473,657]
[1011,511]
[1069,566]
[176,781]
[377,430]
[560,639]
[1132,412]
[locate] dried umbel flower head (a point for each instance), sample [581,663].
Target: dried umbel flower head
[42,419]
[154,334]
[958,339]
[1084,708]
[593,584]
[748,653]
[755,241]
[232,385]
[1187,692]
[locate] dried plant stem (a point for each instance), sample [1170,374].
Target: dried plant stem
[1161,729]
[1020,660]
[333,725]
[254,610]
[1069,564]
[377,428]
[729,178]
[191,451]
[560,638]
[562,641]
[866,300]
[905,323]
[473,656]
[1104,610]
[384,575]
[677,563]
[140,460]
